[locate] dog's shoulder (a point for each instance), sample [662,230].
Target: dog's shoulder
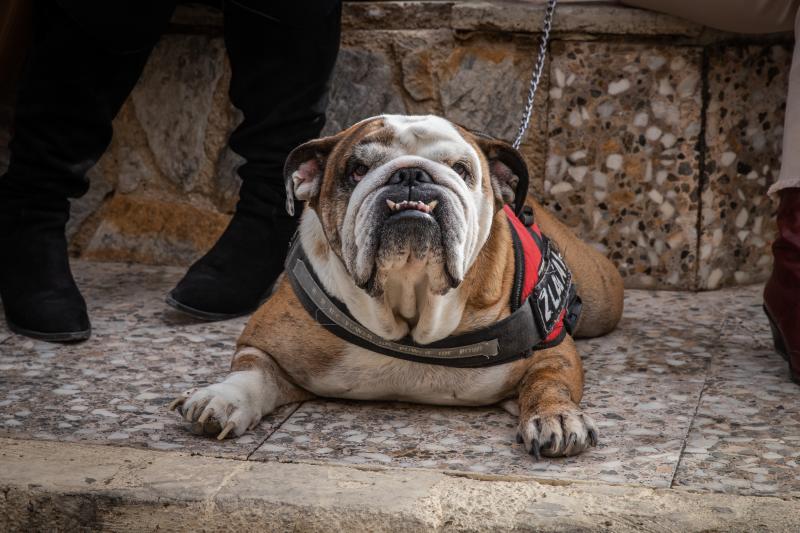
[282,328]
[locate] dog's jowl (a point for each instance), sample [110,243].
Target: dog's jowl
[412,278]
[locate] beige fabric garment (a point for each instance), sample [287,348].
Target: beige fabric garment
[752,16]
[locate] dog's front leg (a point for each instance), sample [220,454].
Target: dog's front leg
[550,421]
[254,388]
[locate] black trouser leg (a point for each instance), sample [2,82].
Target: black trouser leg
[280,74]
[72,89]
[281,57]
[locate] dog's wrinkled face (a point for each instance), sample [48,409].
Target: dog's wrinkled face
[405,196]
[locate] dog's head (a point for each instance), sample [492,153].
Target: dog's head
[402,194]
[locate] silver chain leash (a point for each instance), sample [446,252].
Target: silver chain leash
[536,75]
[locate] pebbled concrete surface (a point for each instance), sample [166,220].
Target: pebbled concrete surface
[686,392]
[700,429]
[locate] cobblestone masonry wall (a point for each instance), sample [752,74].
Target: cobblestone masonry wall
[654,138]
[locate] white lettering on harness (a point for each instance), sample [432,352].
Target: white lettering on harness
[552,294]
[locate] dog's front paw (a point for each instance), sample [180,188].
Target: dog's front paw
[557,432]
[217,410]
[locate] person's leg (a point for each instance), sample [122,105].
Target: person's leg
[782,291]
[282,56]
[789,177]
[72,89]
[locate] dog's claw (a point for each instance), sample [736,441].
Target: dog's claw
[177,402]
[205,416]
[593,437]
[535,449]
[573,438]
[227,429]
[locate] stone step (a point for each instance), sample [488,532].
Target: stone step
[654,138]
[51,486]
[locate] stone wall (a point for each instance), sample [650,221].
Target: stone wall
[654,138]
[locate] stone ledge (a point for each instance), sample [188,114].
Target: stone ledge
[574,19]
[52,485]
[512,16]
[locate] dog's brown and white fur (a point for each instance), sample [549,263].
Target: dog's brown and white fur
[445,271]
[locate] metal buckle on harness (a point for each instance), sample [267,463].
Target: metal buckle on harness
[526,216]
[574,308]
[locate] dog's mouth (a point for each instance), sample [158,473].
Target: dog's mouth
[407,227]
[412,206]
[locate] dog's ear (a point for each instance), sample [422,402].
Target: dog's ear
[508,170]
[304,170]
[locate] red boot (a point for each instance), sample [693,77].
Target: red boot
[782,292]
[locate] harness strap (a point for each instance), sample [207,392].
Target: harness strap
[504,341]
[512,338]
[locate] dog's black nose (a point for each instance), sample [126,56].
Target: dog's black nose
[410,176]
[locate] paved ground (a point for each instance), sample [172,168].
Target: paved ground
[687,394]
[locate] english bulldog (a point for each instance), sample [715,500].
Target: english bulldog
[406,226]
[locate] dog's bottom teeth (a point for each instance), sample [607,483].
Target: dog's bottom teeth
[406,205]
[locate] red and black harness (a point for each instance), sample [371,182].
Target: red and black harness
[544,305]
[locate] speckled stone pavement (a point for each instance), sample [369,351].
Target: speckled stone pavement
[687,393]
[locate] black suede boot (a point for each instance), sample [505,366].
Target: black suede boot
[237,274]
[75,82]
[39,294]
[281,57]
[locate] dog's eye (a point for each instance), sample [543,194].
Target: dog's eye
[461,170]
[359,171]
